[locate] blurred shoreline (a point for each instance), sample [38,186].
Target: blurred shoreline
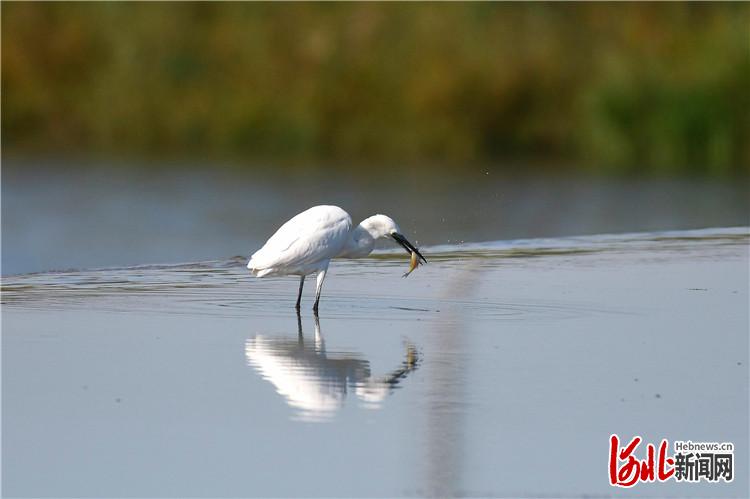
[610,88]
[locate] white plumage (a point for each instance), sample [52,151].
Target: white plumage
[307,243]
[302,244]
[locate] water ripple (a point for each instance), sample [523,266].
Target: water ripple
[223,287]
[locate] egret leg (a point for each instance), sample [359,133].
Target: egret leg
[321,277]
[299,296]
[300,337]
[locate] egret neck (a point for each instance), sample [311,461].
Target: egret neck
[362,237]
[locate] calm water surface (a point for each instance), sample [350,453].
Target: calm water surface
[58,216]
[498,369]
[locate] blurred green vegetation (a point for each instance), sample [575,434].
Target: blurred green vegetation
[626,87]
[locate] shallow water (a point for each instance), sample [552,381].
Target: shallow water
[498,369]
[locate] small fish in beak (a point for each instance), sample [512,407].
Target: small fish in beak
[416,256]
[413,264]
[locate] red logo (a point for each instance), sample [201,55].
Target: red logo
[625,470]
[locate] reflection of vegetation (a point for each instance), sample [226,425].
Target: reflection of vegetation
[629,86]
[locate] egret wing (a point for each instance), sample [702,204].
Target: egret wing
[314,235]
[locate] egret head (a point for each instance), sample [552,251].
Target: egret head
[380,226]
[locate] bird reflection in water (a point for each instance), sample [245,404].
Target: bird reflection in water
[316,383]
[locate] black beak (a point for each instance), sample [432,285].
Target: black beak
[409,247]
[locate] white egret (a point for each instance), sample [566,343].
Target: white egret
[307,243]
